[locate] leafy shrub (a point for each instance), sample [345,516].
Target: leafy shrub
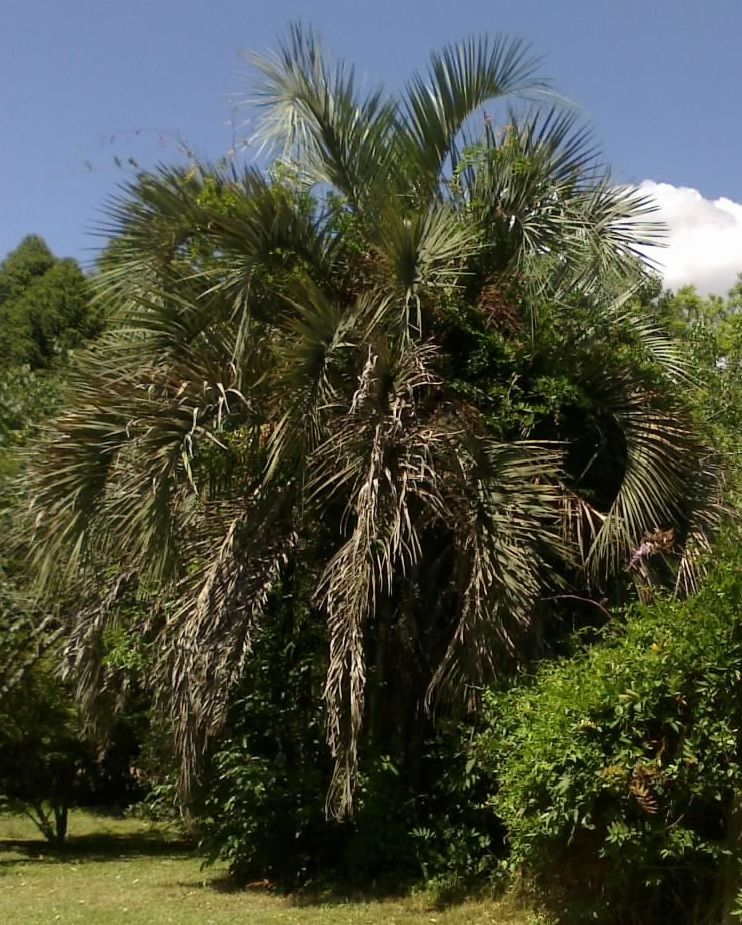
[440,833]
[265,815]
[44,759]
[47,761]
[617,768]
[458,842]
[263,797]
[262,808]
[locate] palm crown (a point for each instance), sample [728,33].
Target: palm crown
[314,369]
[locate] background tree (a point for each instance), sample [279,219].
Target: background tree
[47,763]
[45,306]
[710,328]
[44,756]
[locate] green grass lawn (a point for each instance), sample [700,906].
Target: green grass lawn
[125,871]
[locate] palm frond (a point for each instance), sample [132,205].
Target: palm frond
[318,335]
[663,469]
[425,252]
[384,464]
[649,334]
[116,468]
[541,195]
[461,78]
[150,225]
[264,228]
[505,527]
[311,111]
[100,686]
[707,510]
[210,633]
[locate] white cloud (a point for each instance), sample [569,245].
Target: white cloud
[704,240]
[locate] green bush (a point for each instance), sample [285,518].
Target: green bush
[45,762]
[48,763]
[617,768]
[440,833]
[262,808]
[265,815]
[263,797]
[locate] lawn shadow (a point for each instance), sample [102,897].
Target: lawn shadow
[308,896]
[436,898]
[340,895]
[108,846]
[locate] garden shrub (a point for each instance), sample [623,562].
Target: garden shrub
[617,768]
[45,762]
[264,813]
[262,808]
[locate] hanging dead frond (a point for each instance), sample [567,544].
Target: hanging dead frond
[99,685]
[209,633]
[643,787]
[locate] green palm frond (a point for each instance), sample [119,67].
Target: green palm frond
[622,313]
[506,532]
[120,461]
[616,226]
[68,476]
[317,338]
[260,226]
[460,80]
[425,253]
[664,470]
[539,193]
[150,224]
[311,111]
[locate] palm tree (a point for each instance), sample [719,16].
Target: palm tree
[404,361]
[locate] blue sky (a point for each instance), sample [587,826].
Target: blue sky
[83,82]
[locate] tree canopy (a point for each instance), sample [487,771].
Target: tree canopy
[45,306]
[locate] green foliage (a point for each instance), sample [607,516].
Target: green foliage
[302,444]
[686,310]
[459,844]
[264,812]
[46,307]
[27,397]
[712,332]
[46,760]
[263,794]
[617,767]
[28,262]
[43,756]
[262,803]
[328,369]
